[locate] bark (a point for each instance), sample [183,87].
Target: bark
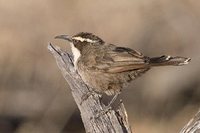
[114,121]
[193,126]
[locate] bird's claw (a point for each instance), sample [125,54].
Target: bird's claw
[102,112]
[87,95]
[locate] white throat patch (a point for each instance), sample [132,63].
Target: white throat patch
[84,39]
[76,54]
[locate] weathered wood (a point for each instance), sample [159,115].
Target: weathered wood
[114,121]
[193,126]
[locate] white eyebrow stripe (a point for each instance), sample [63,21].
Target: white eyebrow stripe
[84,39]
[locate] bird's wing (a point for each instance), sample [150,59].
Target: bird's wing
[120,59]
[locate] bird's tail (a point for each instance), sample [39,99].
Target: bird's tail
[168,60]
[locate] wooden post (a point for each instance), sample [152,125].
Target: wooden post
[114,121]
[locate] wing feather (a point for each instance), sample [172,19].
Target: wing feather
[120,59]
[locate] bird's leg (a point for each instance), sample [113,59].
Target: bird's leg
[108,107]
[112,100]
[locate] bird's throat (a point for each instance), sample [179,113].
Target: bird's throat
[76,53]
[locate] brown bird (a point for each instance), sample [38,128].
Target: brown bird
[108,68]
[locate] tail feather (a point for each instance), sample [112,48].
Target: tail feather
[168,60]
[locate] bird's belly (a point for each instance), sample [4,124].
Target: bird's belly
[103,82]
[109,83]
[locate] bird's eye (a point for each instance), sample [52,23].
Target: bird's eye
[75,41]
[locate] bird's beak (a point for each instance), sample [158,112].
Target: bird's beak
[65,37]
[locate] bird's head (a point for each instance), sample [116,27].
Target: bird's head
[80,41]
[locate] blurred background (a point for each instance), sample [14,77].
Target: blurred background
[35,98]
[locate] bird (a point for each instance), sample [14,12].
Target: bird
[108,68]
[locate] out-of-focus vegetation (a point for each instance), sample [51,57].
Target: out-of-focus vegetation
[34,98]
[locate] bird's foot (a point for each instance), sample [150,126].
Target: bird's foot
[103,112]
[87,95]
